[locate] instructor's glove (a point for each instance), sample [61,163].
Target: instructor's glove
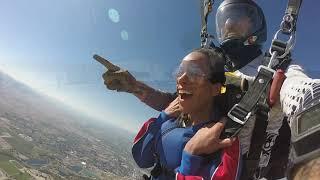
[116,78]
[120,80]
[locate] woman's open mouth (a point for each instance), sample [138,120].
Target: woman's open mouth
[184,94]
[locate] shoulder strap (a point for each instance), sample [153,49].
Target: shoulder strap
[259,134]
[280,59]
[205,10]
[280,56]
[241,112]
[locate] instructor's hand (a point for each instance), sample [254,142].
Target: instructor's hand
[116,78]
[207,140]
[174,109]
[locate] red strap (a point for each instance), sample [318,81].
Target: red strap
[229,166]
[182,177]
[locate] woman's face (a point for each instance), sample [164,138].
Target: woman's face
[195,91]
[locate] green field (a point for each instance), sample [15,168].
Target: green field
[7,166]
[15,163]
[2,130]
[22,176]
[88,173]
[11,169]
[20,145]
[4,157]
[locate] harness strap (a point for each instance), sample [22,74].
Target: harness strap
[280,59]
[206,8]
[259,136]
[241,112]
[291,16]
[156,171]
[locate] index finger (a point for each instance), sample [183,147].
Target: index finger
[106,63]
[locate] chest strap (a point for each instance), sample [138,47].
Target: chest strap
[241,112]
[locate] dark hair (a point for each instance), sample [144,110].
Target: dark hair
[217,61]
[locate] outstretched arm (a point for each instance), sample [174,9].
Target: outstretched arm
[156,99]
[121,80]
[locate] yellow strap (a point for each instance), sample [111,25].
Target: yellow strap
[223,89]
[231,74]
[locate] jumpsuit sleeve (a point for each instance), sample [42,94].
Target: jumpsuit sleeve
[227,167]
[294,87]
[144,142]
[159,100]
[154,98]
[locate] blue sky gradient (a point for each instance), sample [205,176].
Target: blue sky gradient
[49,46]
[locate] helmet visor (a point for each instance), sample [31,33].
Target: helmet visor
[237,21]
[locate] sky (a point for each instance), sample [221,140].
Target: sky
[49,45]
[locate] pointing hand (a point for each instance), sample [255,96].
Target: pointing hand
[116,78]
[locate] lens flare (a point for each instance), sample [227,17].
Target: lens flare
[114,15]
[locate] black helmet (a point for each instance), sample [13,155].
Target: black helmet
[240,20]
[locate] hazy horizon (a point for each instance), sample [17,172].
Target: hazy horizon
[49,45]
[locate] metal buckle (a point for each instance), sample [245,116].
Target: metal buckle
[236,119]
[267,69]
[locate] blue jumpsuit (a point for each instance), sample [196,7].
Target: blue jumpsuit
[163,139]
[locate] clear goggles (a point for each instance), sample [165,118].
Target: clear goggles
[192,70]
